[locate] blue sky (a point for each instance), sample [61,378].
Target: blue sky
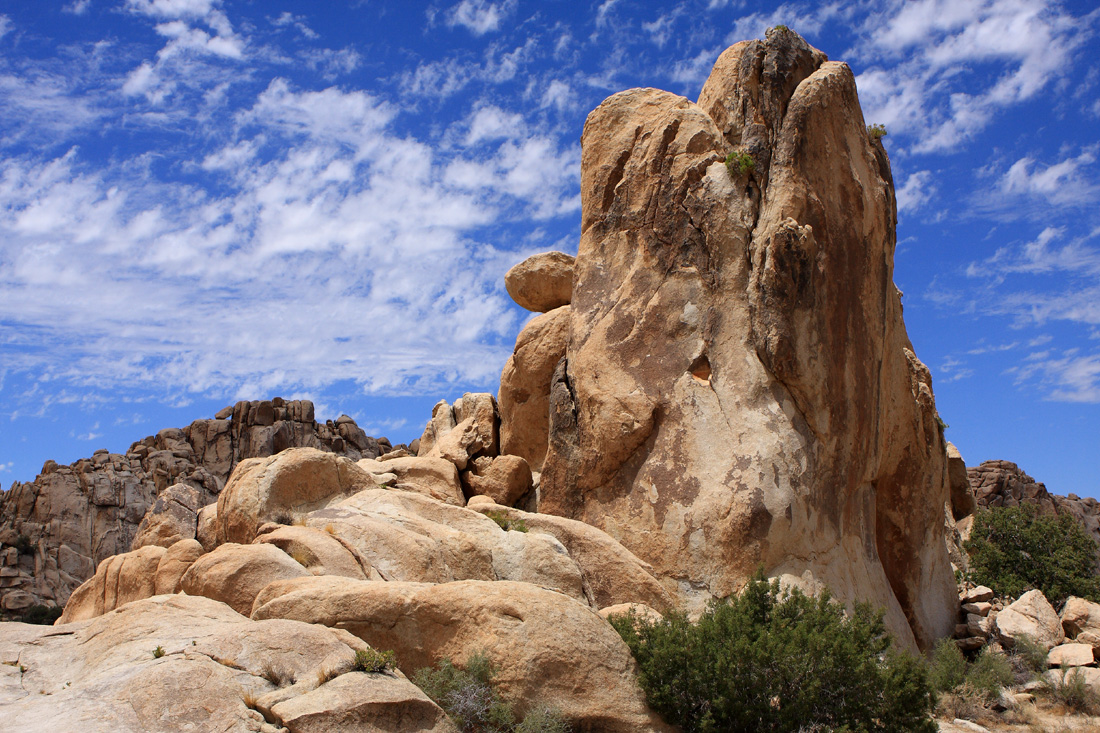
[207,200]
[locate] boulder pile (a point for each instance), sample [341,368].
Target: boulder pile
[1003,483]
[55,530]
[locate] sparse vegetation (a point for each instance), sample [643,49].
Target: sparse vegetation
[505,522]
[158,652]
[940,422]
[739,163]
[778,660]
[467,694]
[301,557]
[876,131]
[374,661]
[1071,690]
[777,29]
[325,674]
[276,675]
[1015,549]
[249,698]
[469,698]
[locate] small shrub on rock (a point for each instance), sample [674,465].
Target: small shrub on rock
[739,163]
[877,132]
[778,660]
[467,695]
[374,661]
[505,522]
[1015,549]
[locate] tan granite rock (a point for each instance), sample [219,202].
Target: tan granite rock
[282,488]
[234,574]
[541,282]
[548,648]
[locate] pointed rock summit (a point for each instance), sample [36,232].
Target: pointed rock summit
[736,387]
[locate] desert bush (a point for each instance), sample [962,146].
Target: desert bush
[739,163]
[989,673]
[1028,659]
[543,719]
[947,666]
[1014,549]
[877,132]
[374,661]
[1071,690]
[778,660]
[158,652]
[467,694]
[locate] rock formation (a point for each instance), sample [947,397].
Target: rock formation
[737,388]
[1003,483]
[55,530]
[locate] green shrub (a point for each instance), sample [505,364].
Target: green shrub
[374,661]
[467,694]
[876,131]
[543,719]
[1072,690]
[158,652]
[1028,659]
[1014,549]
[947,667]
[739,163]
[777,660]
[505,522]
[989,673]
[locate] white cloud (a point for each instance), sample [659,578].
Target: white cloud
[1063,183]
[78,7]
[558,95]
[1071,377]
[5,25]
[917,190]
[603,12]
[289,20]
[336,249]
[173,8]
[479,16]
[921,52]
[6,467]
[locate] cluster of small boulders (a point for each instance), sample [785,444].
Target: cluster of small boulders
[1004,484]
[1071,638]
[977,610]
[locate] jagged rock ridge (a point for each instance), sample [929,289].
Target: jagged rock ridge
[70,518]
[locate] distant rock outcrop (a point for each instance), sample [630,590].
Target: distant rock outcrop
[1003,483]
[738,389]
[55,530]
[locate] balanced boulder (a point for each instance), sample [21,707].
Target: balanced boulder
[541,282]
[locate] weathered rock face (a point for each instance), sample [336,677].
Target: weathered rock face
[738,388]
[524,397]
[74,517]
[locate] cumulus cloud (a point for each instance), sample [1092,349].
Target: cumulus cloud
[919,52]
[479,16]
[917,190]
